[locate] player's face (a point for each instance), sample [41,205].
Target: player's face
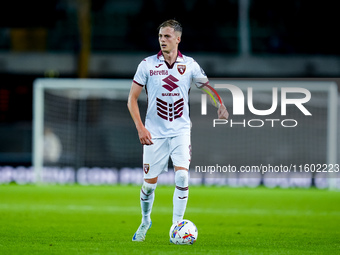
[168,39]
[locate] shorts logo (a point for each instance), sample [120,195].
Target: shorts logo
[181,69]
[146,168]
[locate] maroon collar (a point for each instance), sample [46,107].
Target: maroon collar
[178,59]
[160,54]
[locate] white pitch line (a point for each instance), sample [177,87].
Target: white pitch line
[157,209]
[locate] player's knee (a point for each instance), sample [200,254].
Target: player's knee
[181,178]
[148,188]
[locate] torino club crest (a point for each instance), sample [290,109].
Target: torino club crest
[146,168]
[181,69]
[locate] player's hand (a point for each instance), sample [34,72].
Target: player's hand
[144,136]
[222,112]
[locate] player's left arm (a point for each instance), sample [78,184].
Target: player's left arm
[214,97]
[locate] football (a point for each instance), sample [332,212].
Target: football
[184,232]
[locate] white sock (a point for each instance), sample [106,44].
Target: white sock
[147,196]
[181,194]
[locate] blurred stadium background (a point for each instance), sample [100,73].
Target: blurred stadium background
[108,38]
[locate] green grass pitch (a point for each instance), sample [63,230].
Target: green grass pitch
[102,220]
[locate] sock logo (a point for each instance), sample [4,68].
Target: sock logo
[182,197]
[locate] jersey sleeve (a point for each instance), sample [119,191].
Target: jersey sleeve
[201,81]
[198,72]
[199,77]
[141,75]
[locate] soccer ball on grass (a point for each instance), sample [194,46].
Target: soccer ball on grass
[183,232]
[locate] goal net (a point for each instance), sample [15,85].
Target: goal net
[85,123]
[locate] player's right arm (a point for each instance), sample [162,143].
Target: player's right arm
[143,133]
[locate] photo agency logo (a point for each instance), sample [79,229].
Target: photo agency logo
[295,96]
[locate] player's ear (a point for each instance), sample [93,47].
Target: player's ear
[178,39]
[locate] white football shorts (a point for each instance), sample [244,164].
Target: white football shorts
[156,156]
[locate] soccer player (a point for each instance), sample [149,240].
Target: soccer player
[167,77]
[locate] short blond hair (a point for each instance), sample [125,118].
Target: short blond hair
[173,24]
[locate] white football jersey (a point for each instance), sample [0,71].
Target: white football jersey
[167,88]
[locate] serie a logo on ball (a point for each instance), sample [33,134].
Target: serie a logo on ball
[183,232]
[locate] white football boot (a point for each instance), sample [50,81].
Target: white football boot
[140,234]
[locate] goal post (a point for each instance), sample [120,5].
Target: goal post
[332,129]
[75,90]
[85,123]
